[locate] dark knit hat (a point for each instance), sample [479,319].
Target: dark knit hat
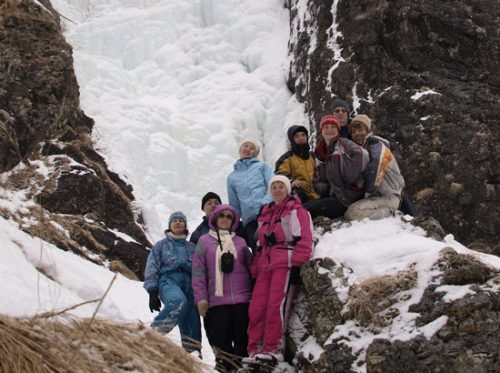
[340,103]
[209,195]
[177,215]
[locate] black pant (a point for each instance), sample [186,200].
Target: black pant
[330,207]
[228,334]
[301,193]
[251,234]
[407,206]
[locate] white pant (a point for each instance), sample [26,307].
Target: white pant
[373,208]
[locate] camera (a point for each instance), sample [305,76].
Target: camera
[227,262]
[270,238]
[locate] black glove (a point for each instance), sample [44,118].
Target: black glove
[154,301]
[294,275]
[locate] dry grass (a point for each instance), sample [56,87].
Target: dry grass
[42,345]
[463,269]
[369,298]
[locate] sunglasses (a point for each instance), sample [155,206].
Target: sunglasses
[337,111]
[226,216]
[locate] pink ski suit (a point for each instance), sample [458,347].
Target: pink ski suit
[290,224]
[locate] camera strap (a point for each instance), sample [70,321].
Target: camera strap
[218,238]
[273,222]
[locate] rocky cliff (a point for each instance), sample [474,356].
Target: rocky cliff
[428,74]
[49,166]
[383,323]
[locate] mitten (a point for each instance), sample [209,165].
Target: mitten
[154,301]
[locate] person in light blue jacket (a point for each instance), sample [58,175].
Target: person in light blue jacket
[247,187]
[167,279]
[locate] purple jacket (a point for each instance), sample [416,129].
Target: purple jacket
[237,284]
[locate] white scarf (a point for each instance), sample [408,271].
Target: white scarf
[176,236]
[226,239]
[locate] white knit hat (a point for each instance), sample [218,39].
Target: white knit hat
[254,143]
[282,179]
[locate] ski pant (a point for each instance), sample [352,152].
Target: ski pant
[176,295]
[373,208]
[301,193]
[228,334]
[330,207]
[251,234]
[268,311]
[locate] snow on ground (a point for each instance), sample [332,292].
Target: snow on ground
[385,247]
[173,86]
[37,277]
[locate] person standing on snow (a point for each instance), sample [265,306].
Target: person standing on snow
[247,187]
[338,177]
[285,243]
[298,164]
[222,287]
[383,181]
[208,203]
[167,279]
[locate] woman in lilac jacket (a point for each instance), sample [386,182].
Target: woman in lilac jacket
[222,289]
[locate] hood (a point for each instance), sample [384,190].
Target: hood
[293,130]
[218,210]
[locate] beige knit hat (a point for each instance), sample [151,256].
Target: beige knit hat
[362,118]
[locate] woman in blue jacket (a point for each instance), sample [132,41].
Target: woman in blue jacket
[247,187]
[167,279]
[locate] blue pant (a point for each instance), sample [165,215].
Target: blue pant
[176,295]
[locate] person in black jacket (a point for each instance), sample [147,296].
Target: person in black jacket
[208,203]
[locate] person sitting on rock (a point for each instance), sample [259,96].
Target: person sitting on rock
[298,164]
[341,111]
[383,180]
[338,176]
[167,279]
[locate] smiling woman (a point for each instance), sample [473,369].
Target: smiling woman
[247,186]
[222,287]
[285,243]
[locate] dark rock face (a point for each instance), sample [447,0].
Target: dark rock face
[447,143]
[41,123]
[467,343]
[465,330]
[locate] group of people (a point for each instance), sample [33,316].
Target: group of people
[240,267]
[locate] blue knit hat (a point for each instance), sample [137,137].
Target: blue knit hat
[177,215]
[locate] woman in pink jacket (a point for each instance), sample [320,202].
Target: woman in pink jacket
[285,243]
